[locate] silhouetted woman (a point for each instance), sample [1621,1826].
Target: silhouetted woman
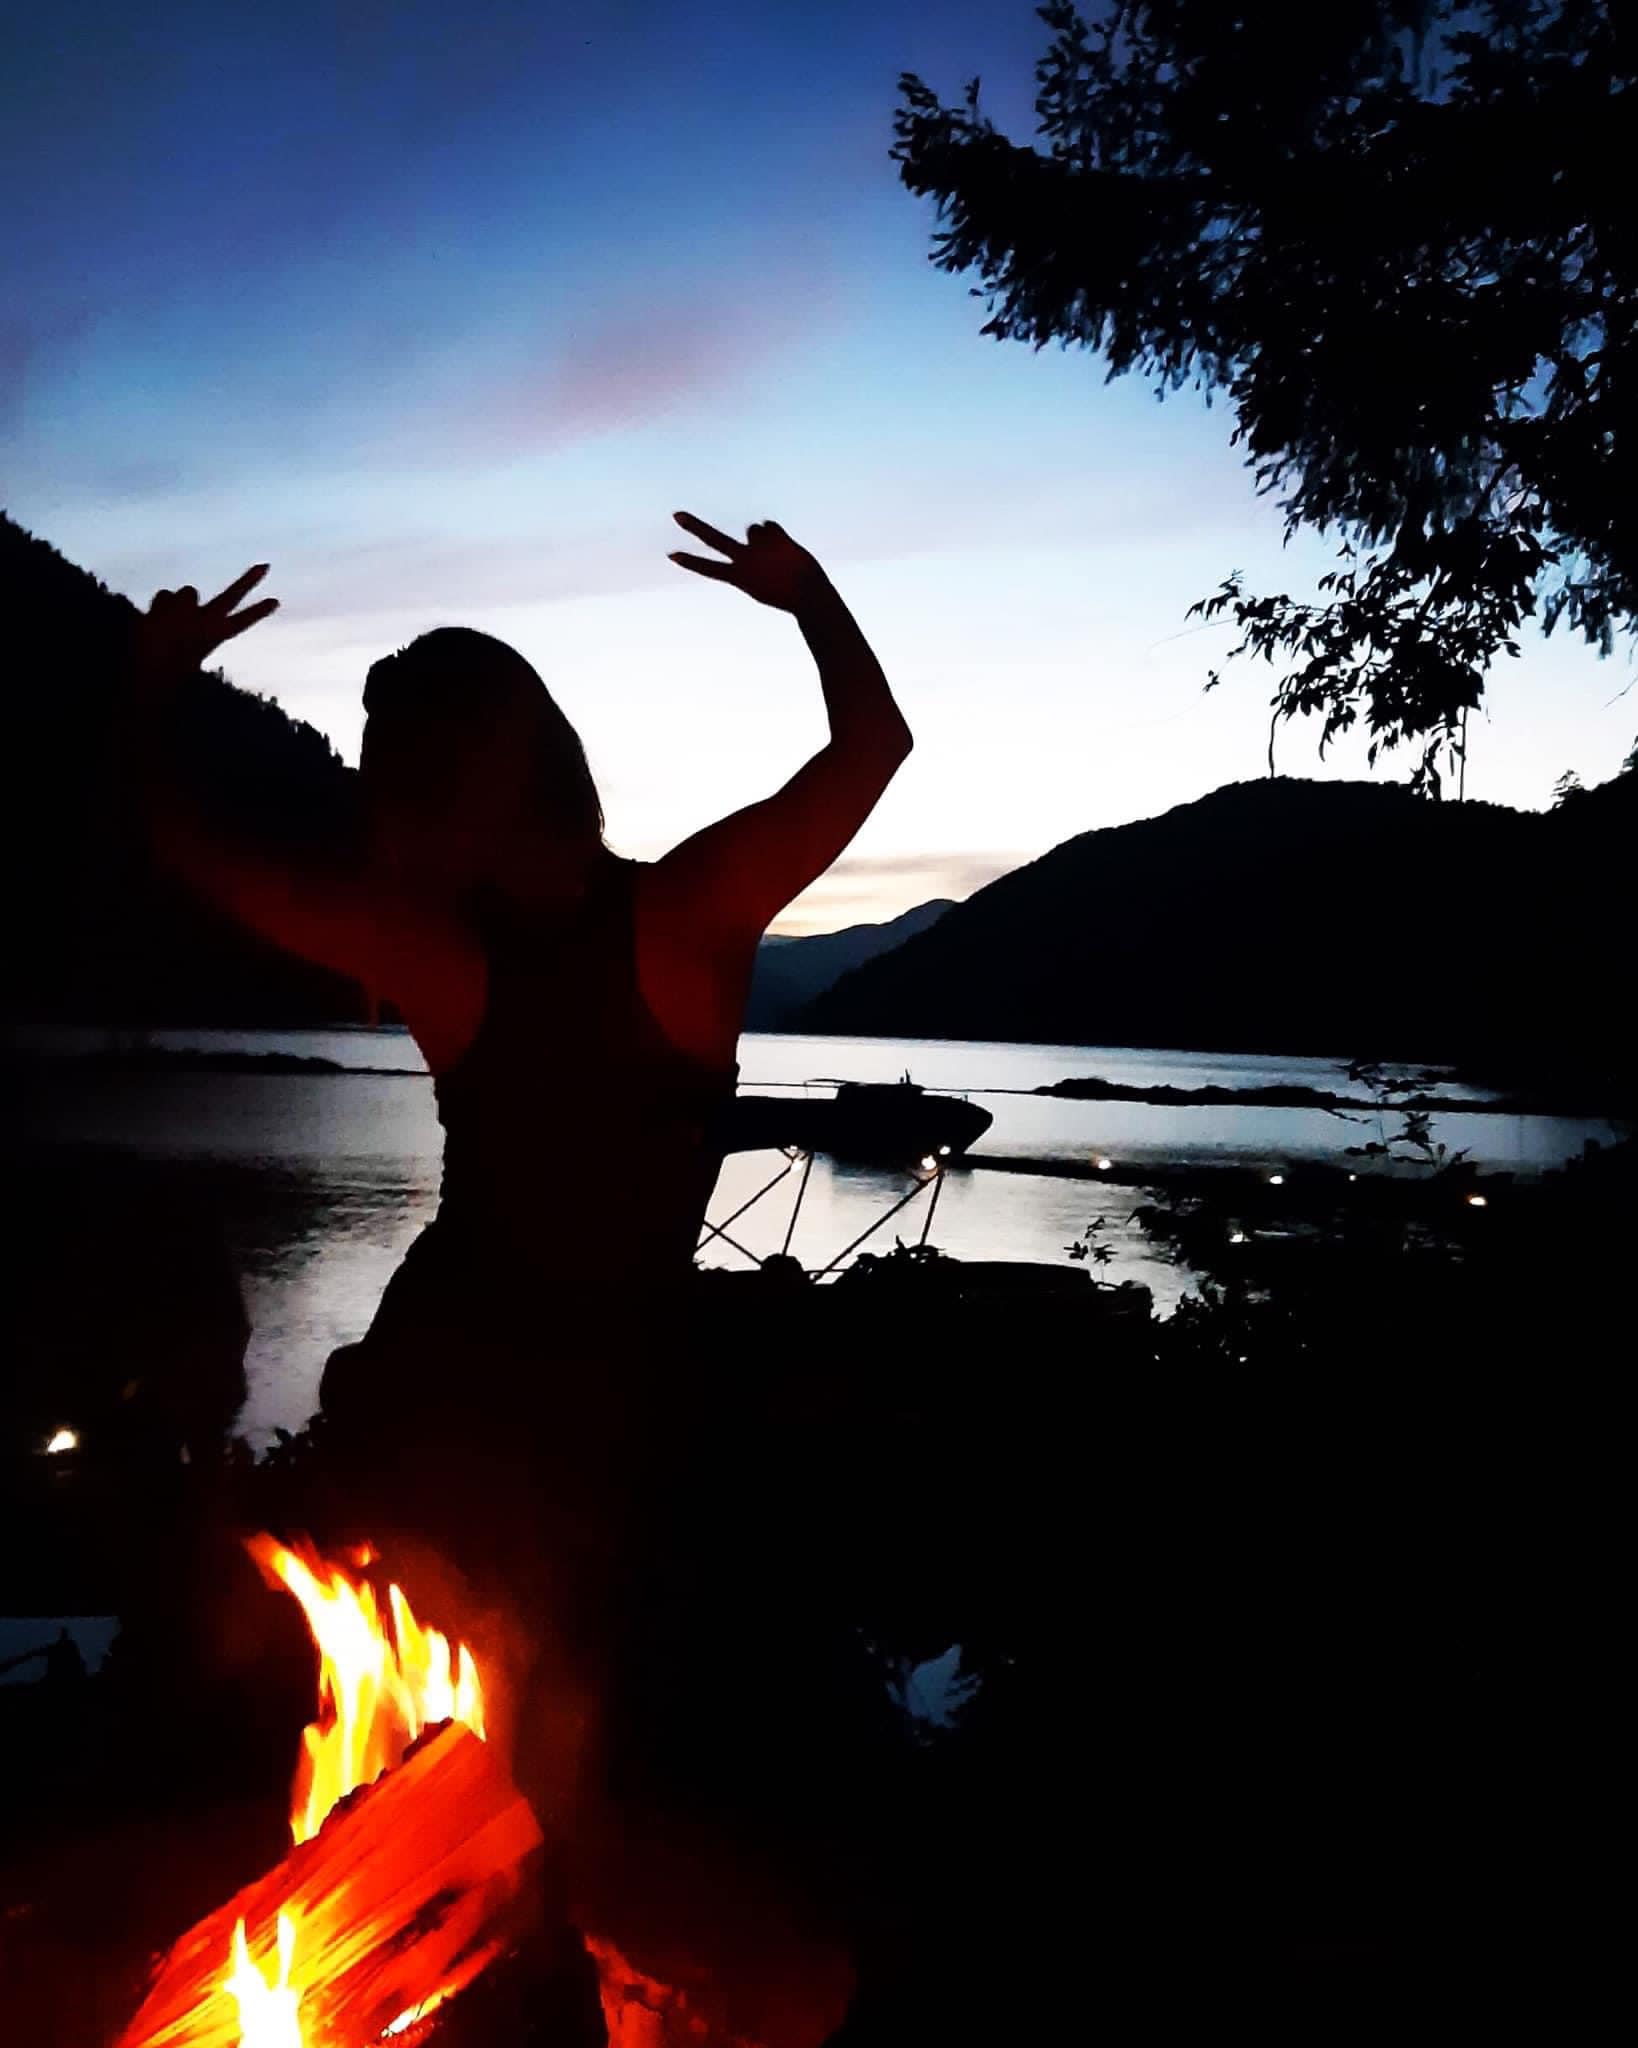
[579,1012]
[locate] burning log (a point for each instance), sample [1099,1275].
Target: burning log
[407,1891]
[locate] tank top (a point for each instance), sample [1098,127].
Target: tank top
[580,1143]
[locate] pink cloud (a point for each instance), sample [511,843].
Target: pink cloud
[620,366]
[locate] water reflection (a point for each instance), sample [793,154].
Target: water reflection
[980,1216]
[316,1260]
[320,1182]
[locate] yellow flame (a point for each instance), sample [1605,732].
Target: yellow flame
[267,2010]
[377,1688]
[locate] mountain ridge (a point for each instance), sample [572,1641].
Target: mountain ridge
[793,969]
[98,932]
[1282,915]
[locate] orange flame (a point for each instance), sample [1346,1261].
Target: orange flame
[267,2011]
[377,1688]
[403,1899]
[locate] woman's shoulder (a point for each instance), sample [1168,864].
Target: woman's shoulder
[692,986]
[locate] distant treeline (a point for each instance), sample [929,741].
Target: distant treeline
[95,933]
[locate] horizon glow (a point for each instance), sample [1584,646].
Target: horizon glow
[443,318]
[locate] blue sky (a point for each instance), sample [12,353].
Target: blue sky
[443,311]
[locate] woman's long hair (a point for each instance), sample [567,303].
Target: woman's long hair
[455,677]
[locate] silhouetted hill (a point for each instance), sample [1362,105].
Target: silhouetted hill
[792,971]
[1292,916]
[94,931]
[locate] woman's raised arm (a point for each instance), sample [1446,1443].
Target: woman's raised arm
[733,878]
[336,919]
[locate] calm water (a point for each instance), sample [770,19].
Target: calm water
[323,1181]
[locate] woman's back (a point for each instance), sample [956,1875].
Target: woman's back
[579,1141]
[580,1149]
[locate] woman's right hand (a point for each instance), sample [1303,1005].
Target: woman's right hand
[177,634]
[767,564]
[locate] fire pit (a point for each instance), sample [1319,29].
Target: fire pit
[411,1844]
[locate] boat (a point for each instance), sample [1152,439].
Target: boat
[892,1123]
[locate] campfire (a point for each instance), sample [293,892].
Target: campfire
[410,1844]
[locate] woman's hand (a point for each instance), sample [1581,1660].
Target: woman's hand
[177,634]
[726,884]
[767,564]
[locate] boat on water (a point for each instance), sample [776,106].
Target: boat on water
[890,1123]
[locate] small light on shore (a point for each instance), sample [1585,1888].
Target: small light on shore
[1353,1176]
[1237,1237]
[1478,1201]
[64,1440]
[1276,1180]
[928,1163]
[1104,1165]
[944,1151]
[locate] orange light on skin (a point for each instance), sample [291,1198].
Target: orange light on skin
[268,2016]
[378,1686]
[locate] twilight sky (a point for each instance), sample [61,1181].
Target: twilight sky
[443,310]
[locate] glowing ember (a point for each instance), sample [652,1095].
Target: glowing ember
[415,2014]
[377,1690]
[267,2011]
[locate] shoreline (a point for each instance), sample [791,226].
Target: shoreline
[1570,1101]
[1089,1088]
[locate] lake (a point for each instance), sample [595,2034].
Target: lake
[321,1181]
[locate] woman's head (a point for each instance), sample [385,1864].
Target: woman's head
[463,747]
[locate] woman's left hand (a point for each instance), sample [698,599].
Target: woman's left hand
[767,564]
[178,634]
